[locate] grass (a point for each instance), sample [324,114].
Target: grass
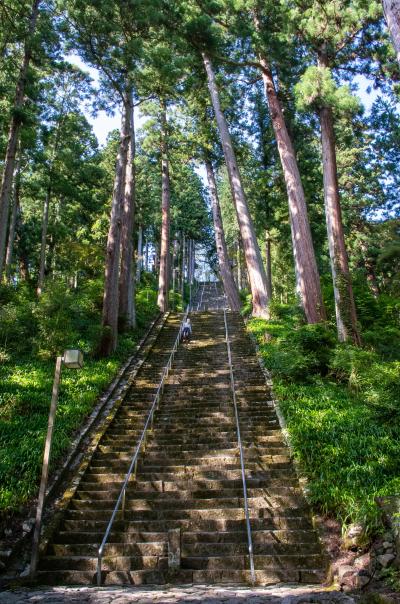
[342,408]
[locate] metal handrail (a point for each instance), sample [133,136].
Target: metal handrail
[201,297]
[246,504]
[142,440]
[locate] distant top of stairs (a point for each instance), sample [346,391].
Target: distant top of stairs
[209,296]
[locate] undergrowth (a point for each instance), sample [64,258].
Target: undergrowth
[32,333]
[341,405]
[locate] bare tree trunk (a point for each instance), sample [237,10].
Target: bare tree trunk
[192,265]
[174,269]
[146,256]
[255,267]
[139,260]
[13,220]
[163,282]
[391,9]
[346,316]
[238,266]
[307,277]
[183,267]
[126,311]
[45,224]
[13,134]
[109,337]
[228,281]
[268,264]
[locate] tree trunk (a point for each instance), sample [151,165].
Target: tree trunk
[346,316]
[238,267]
[13,134]
[258,281]
[109,337]
[146,256]
[13,221]
[231,291]
[193,266]
[183,267]
[126,311]
[268,264]
[307,277]
[45,224]
[391,8]
[139,260]
[163,282]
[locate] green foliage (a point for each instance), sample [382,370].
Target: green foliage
[32,333]
[342,408]
[317,89]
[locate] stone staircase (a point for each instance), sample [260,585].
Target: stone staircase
[189,479]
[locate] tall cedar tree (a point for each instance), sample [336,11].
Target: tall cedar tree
[225,268]
[13,133]
[254,263]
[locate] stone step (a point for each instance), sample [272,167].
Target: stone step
[271,485]
[282,495]
[192,474]
[223,562]
[188,550]
[151,577]
[260,537]
[173,503]
[75,512]
[218,524]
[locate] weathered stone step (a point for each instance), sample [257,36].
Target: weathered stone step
[292,562]
[80,524]
[192,474]
[89,549]
[235,513]
[271,485]
[183,495]
[108,563]
[173,503]
[95,537]
[152,577]
[213,563]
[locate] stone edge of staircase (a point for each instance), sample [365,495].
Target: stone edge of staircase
[303,480]
[78,457]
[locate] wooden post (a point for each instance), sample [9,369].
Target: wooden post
[45,467]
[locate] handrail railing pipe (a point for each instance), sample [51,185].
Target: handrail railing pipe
[200,302]
[246,503]
[142,441]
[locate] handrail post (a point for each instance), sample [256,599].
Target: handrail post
[242,465]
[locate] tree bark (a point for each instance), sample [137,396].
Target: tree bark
[307,277]
[109,337]
[391,9]
[14,218]
[163,282]
[228,281]
[255,267]
[346,316]
[45,224]
[183,266]
[126,311]
[139,261]
[13,134]
[268,264]
[146,256]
